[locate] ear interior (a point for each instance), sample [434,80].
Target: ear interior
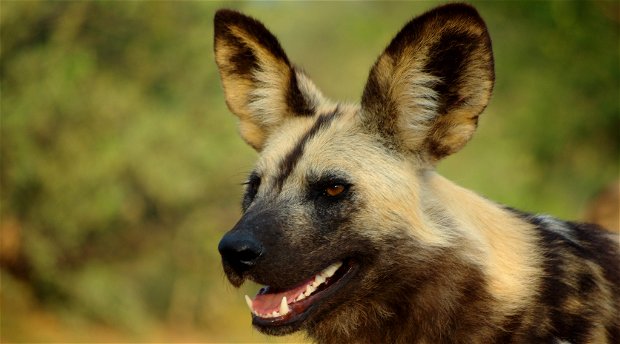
[425,92]
[260,84]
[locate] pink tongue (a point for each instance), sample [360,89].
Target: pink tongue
[269,302]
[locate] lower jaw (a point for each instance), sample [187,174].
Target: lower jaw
[264,326]
[296,321]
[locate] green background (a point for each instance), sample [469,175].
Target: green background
[121,167]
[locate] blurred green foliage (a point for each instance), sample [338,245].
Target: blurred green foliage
[121,167]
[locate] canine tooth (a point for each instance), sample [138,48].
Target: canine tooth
[284,306]
[249,302]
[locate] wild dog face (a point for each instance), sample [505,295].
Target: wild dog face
[335,206]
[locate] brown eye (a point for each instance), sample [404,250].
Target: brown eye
[334,190]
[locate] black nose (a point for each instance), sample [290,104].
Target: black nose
[240,251]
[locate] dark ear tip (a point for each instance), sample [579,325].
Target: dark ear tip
[221,19]
[225,17]
[225,14]
[458,10]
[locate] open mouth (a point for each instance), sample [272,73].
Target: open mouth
[276,307]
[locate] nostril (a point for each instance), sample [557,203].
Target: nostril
[248,256]
[240,253]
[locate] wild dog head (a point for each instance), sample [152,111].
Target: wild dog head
[335,205]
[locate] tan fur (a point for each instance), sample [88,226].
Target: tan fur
[410,89]
[239,89]
[500,243]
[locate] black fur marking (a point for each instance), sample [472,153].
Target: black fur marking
[243,62]
[586,283]
[603,251]
[297,103]
[290,160]
[568,246]
[555,290]
[448,60]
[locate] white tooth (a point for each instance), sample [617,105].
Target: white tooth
[284,306]
[331,269]
[275,314]
[318,280]
[300,297]
[249,302]
[309,290]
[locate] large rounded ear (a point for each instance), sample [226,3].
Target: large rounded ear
[426,90]
[260,84]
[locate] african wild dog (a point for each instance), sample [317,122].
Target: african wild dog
[354,235]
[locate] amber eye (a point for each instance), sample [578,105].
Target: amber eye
[334,190]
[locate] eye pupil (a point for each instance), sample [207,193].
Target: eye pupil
[334,190]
